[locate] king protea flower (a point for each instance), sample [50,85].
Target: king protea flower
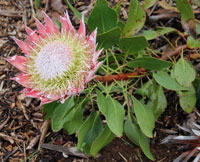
[56,64]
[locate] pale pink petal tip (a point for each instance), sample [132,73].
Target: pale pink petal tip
[92,72]
[82,30]
[44,101]
[94,34]
[25,90]
[25,47]
[68,23]
[92,39]
[33,94]
[32,34]
[96,55]
[62,100]
[41,29]
[22,79]
[73,91]
[50,26]
[17,61]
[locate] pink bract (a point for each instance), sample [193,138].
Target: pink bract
[56,64]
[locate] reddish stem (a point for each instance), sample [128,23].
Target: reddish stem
[110,78]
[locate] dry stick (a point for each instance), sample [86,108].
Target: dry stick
[11,13]
[170,54]
[109,78]
[5,122]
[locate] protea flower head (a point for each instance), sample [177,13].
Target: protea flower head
[56,64]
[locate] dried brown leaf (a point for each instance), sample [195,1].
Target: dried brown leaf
[33,142]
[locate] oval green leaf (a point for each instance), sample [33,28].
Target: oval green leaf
[133,44]
[104,138]
[102,17]
[145,146]
[136,19]
[88,132]
[59,114]
[132,131]
[144,117]
[192,43]
[188,100]
[184,73]
[149,63]
[109,38]
[113,111]
[185,9]
[166,81]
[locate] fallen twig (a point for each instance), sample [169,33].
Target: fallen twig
[11,13]
[43,131]
[162,16]
[73,151]
[33,142]
[10,154]
[170,54]
[21,106]
[5,122]
[7,138]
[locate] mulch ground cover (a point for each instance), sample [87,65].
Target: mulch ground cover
[22,129]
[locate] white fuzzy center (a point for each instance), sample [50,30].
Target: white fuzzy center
[52,60]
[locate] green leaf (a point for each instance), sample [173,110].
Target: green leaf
[148,3]
[104,138]
[37,4]
[184,73]
[198,26]
[161,103]
[59,114]
[149,63]
[145,90]
[116,8]
[144,117]
[154,92]
[102,17]
[188,99]
[132,131]
[85,127]
[136,19]
[185,9]
[109,38]
[94,131]
[197,2]
[196,84]
[166,81]
[113,111]
[192,43]
[49,109]
[121,25]
[150,34]
[145,146]
[88,132]
[165,30]
[76,12]
[74,124]
[133,44]
[75,116]
[58,23]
